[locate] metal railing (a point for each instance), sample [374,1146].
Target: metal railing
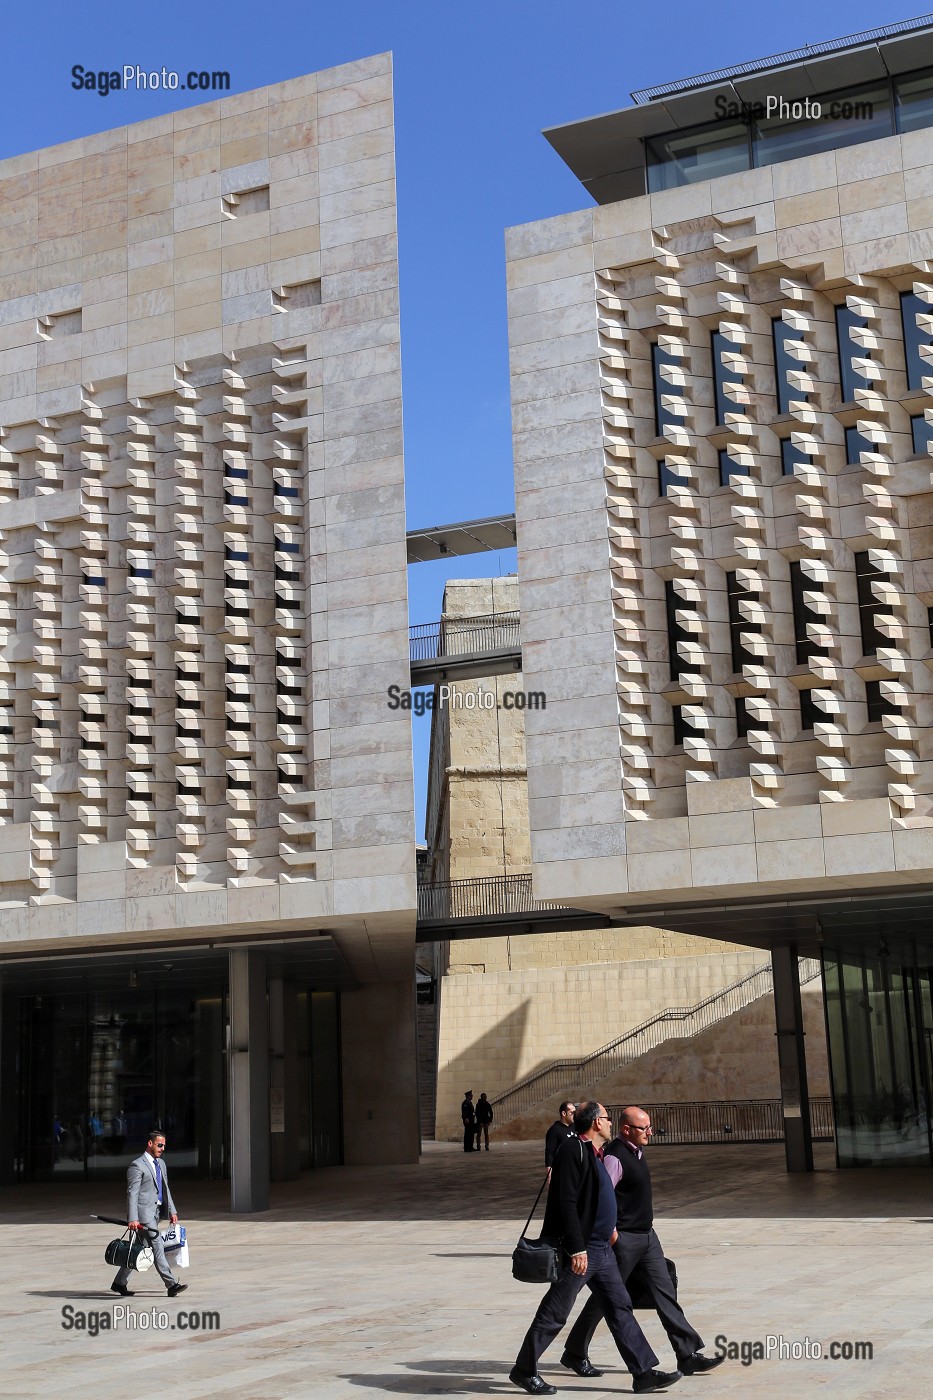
[464,636]
[779,60]
[568,1076]
[479,898]
[732,1120]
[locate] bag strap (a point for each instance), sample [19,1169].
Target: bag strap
[534,1207]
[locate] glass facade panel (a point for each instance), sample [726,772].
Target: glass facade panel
[784,364]
[663,416]
[728,467]
[922,433]
[847,119]
[915,101]
[723,376]
[791,457]
[878,1019]
[856,444]
[848,351]
[684,157]
[914,338]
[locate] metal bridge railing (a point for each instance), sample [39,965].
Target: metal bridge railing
[570,1076]
[732,1120]
[464,636]
[479,898]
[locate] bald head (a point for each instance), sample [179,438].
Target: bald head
[635,1126]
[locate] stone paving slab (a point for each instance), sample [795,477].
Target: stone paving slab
[396,1281]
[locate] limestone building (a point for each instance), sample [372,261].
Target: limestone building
[721,383]
[202,795]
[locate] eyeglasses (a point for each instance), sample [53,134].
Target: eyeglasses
[637,1129]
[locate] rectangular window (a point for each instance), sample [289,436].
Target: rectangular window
[685,157]
[922,433]
[803,614]
[810,712]
[728,468]
[914,101]
[864,114]
[914,338]
[784,363]
[868,605]
[722,376]
[682,727]
[856,444]
[738,624]
[846,319]
[667,477]
[661,358]
[743,720]
[791,457]
[878,706]
[675,633]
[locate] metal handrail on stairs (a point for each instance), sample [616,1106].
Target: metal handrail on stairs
[688,1020]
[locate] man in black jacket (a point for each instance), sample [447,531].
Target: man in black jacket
[581,1213]
[557,1134]
[638,1246]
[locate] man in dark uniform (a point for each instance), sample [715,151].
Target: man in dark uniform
[581,1212]
[468,1114]
[559,1131]
[637,1244]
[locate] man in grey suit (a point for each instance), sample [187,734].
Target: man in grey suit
[149,1200]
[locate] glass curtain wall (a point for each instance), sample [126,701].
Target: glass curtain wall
[879,1016]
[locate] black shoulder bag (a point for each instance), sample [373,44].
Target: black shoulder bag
[536,1261]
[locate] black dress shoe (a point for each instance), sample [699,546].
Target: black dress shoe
[693,1365]
[176,1288]
[533,1384]
[122,1289]
[650,1381]
[582,1368]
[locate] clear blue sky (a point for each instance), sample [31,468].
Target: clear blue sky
[474,85]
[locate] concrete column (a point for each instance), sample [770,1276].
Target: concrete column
[249,1082]
[792,1060]
[379,1074]
[283,1070]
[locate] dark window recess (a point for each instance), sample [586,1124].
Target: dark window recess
[878,705]
[237,473]
[800,584]
[785,364]
[856,443]
[241,555]
[142,573]
[186,790]
[287,575]
[282,689]
[289,492]
[675,633]
[791,457]
[868,605]
[287,546]
[239,783]
[849,380]
[231,500]
[667,478]
[729,468]
[289,604]
[722,376]
[810,712]
[741,656]
[663,417]
[922,433]
[236,668]
[231,611]
[187,731]
[139,709]
[683,729]
[98,580]
[743,720]
[240,724]
[240,585]
[188,619]
[914,338]
[233,695]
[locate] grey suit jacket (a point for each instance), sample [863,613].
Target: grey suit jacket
[141,1194]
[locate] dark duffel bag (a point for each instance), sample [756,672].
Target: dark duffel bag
[132,1251]
[536,1261]
[639,1286]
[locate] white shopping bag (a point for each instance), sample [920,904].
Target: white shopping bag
[173,1238]
[179,1259]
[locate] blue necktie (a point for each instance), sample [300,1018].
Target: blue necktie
[158,1167]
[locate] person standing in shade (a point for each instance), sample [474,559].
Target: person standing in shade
[558,1133]
[468,1114]
[581,1213]
[149,1200]
[637,1244]
[483,1120]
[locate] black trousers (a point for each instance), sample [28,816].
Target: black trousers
[469,1133]
[612,1302]
[644,1248]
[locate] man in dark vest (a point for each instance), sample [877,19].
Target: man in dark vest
[637,1244]
[581,1213]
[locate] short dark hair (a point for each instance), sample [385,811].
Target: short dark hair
[153,1134]
[585,1115]
[568,1103]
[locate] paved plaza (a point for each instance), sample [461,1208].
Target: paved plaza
[396,1280]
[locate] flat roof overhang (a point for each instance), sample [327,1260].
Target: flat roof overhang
[606,153]
[464,537]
